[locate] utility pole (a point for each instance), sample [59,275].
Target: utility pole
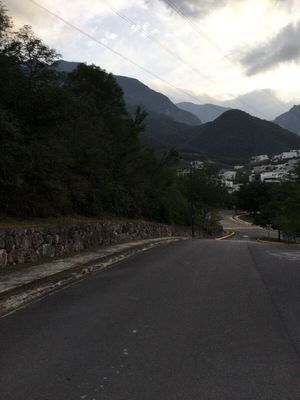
[192,201]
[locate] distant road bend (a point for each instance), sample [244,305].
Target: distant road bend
[192,320]
[243,231]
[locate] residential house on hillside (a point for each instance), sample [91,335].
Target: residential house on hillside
[259,159]
[279,168]
[227,175]
[273,172]
[287,155]
[183,171]
[197,164]
[273,177]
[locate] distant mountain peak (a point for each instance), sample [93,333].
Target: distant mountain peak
[296,108]
[290,120]
[236,136]
[206,112]
[137,93]
[235,113]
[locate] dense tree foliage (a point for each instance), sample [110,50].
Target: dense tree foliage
[208,195]
[68,145]
[277,204]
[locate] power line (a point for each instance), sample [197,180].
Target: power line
[144,69]
[216,46]
[133,23]
[172,53]
[192,24]
[71,25]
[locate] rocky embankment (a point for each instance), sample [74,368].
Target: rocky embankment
[30,245]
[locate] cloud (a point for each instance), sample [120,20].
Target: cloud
[262,103]
[196,8]
[22,13]
[111,35]
[282,48]
[200,8]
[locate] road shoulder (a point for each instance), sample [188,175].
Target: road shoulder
[22,287]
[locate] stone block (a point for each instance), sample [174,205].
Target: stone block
[49,239]
[46,250]
[30,256]
[16,256]
[3,258]
[9,243]
[37,239]
[23,241]
[59,250]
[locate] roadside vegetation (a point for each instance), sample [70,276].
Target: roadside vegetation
[274,204]
[68,146]
[247,218]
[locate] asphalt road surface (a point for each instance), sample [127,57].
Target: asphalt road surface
[192,320]
[244,231]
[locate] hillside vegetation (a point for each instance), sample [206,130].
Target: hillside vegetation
[70,147]
[233,137]
[275,204]
[236,136]
[138,94]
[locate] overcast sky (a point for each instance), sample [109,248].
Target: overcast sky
[215,50]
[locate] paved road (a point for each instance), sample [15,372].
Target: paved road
[193,320]
[242,230]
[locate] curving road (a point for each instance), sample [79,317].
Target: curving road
[243,231]
[197,319]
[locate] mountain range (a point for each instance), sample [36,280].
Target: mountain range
[236,136]
[136,93]
[205,112]
[233,137]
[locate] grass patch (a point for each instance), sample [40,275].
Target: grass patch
[247,218]
[24,223]
[11,223]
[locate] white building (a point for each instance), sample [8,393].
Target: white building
[197,164]
[260,158]
[287,155]
[232,187]
[262,168]
[273,177]
[228,184]
[183,171]
[227,175]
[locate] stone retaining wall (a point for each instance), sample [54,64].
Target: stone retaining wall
[29,245]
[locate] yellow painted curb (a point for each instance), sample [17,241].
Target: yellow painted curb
[236,218]
[226,236]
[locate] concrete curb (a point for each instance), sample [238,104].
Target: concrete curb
[258,240]
[226,236]
[20,295]
[236,218]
